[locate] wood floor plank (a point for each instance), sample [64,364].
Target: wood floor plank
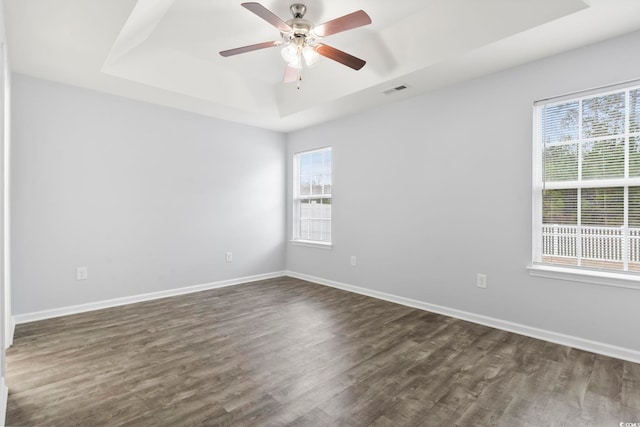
[315,417]
[284,352]
[631,385]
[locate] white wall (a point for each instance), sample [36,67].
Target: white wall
[430,191]
[148,198]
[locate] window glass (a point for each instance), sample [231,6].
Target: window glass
[312,196]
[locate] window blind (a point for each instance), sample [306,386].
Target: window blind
[588,209]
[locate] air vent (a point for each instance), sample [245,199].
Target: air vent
[395,89]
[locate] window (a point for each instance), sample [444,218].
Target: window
[587,181]
[312,196]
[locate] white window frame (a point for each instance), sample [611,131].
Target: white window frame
[537,267]
[298,198]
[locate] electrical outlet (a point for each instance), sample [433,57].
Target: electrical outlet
[82,273]
[229,257]
[481,281]
[353,261]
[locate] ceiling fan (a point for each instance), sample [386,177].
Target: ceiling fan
[300,39]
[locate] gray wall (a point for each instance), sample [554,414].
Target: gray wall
[148,198]
[430,191]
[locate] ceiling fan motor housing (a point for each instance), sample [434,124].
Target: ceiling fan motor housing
[300,28]
[298,10]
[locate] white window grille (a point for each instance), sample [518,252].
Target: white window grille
[312,196]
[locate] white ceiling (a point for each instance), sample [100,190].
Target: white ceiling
[166,51]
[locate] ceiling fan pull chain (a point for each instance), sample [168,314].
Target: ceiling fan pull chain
[299,79]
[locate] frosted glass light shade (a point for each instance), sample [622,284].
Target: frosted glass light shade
[289,52]
[296,62]
[310,55]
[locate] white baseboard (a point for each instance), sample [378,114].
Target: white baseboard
[4,396]
[8,339]
[12,331]
[554,337]
[98,305]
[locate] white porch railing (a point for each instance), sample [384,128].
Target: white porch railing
[596,243]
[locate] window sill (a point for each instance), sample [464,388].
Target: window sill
[620,280]
[312,244]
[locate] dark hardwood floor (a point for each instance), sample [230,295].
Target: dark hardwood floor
[287,352]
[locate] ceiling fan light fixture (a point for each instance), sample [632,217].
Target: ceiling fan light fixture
[289,52]
[295,62]
[310,55]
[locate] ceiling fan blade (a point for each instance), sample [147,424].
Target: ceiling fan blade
[340,56]
[249,48]
[344,23]
[290,74]
[268,16]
